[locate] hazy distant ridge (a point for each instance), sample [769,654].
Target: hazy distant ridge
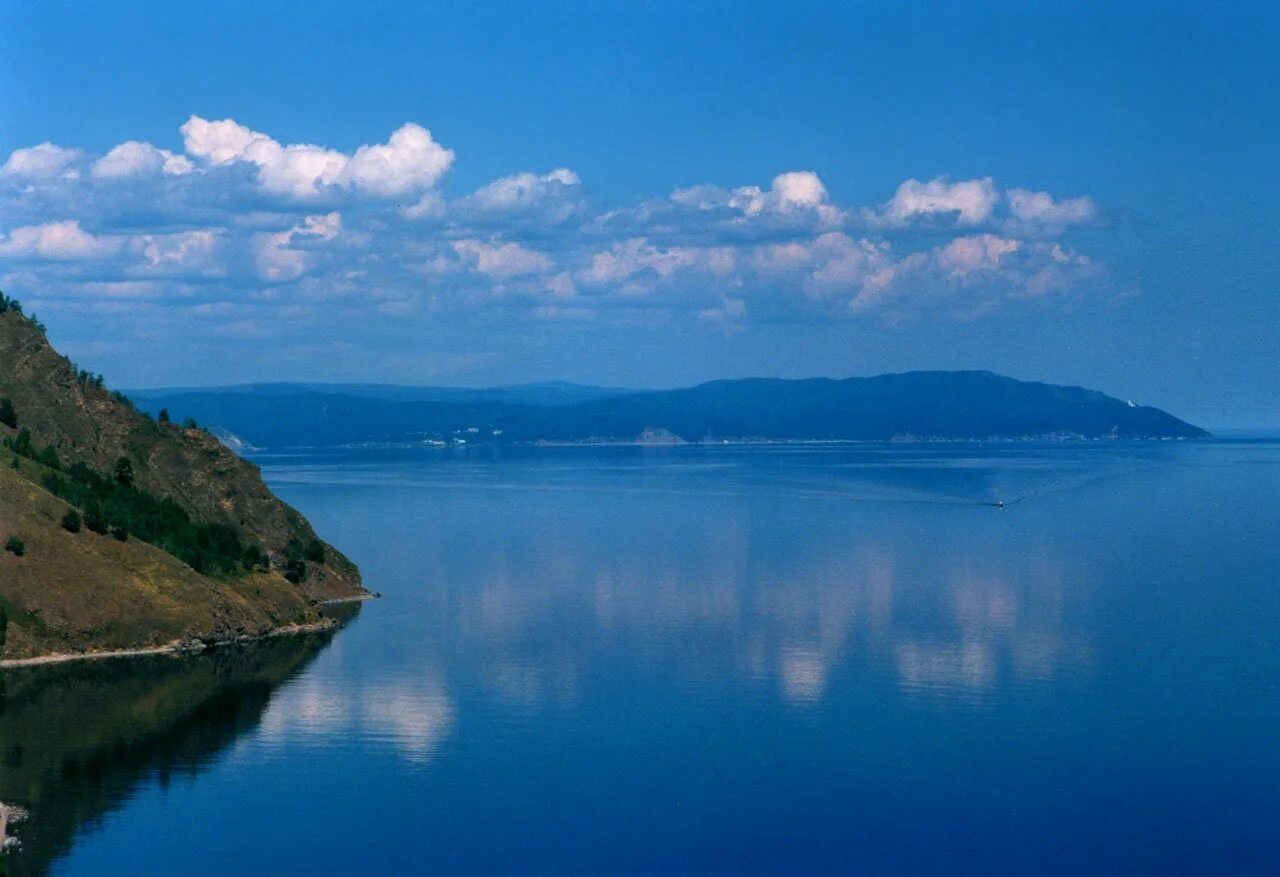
[925,405]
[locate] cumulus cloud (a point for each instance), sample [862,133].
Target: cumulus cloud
[831,262]
[46,161]
[1040,208]
[975,253]
[239,220]
[134,157]
[277,254]
[638,259]
[555,196]
[410,161]
[968,202]
[793,192]
[181,253]
[972,275]
[502,260]
[61,240]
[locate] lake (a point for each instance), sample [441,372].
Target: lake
[808,659]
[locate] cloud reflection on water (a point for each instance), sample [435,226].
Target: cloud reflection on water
[803,622]
[414,714]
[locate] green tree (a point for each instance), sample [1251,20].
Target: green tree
[71,521]
[15,546]
[94,518]
[124,472]
[22,445]
[49,457]
[8,416]
[163,416]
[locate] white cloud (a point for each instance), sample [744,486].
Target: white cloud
[554,195]
[975,253]
[502,260]
[409,162]
[1040,207]
[971,201]
[790,193]
[277,259]
[626,259]
[135,157]
[831,261]
[220,142]
[62,240]
[798,189]
[429,206]
[46,161]
[180,252]
[724,255]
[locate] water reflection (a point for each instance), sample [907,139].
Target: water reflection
[760,579]
[79,739]
[663,667]
[409,714]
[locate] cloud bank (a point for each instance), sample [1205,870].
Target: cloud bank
[247,234]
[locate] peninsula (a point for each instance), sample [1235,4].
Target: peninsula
[121,531]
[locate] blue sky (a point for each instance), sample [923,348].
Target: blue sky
[650,194]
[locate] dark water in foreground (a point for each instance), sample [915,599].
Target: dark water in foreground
[732,660]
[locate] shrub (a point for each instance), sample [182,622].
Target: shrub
[163,416]
[95,519]
[113,505]
[15,546]
[21,444]
[49,457]
[71,521]
[255,558]
[8,416]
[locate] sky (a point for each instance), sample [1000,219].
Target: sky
[650,194]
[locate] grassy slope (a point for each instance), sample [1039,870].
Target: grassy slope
[82,591]
[85,423]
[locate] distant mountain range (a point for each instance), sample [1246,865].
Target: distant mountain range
[932,405]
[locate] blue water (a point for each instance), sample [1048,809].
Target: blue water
[806,660]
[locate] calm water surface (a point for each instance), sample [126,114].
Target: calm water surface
[714,659]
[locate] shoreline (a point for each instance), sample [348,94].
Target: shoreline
[338,601]
[267,453]
[176,647]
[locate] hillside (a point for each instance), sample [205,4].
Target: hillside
[922,405]
[175,536]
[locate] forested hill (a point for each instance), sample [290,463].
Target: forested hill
[120,530]
[923,405]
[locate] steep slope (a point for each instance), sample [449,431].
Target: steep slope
[78,590]
[74,592]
